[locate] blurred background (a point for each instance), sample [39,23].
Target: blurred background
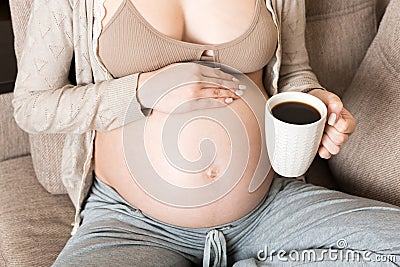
[8,66]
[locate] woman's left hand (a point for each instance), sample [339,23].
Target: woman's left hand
[340,124]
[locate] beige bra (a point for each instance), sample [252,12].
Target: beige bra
[130,44]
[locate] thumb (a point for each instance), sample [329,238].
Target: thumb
[335,107]
[333,104]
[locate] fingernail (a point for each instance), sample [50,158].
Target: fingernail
[235,79]
[239,92]
[242,87]
[325,157]
[228,100]
[332,119]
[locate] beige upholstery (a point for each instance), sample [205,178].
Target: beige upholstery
[369,165]
[34,224]
[338,35]
[13,141]
[46,151]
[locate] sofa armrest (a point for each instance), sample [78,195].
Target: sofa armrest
[14,142]
[368,165]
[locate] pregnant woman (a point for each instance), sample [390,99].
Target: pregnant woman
[207,68]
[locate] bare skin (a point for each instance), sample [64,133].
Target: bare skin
[185,20]
[180,20]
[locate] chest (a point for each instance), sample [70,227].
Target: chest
[143,37]
[201,22]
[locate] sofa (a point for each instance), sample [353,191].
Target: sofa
[354,50]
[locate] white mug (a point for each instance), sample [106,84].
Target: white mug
[292,147]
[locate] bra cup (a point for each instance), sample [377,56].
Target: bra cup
[129,44]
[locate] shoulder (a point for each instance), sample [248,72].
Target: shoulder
[288,7]
[289,11]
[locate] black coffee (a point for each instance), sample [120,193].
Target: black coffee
[295,113]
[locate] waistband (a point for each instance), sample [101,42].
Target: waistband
[215,245]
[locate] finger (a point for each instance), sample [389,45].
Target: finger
[218,92]
[330,145]
[221,83]
[217,73]
[333,103]
[337,137]
[346,123]
[205,103]
[208,85]
[234,93]
[335,107]
[324,153]
[226,101]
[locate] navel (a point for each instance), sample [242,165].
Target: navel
[212,172]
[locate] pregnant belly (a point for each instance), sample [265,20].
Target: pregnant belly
[197,169]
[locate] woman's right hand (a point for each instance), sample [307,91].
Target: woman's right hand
[185,87]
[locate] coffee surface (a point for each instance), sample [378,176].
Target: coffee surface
[296,113]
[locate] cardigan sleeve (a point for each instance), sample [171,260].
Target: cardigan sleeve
[295,72]
[45,101]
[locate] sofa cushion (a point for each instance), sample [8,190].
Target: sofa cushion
[13,141]
[35,225]
[46,152]
[369,163]
[338,35]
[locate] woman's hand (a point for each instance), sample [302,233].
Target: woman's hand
[341,124]
[184,87]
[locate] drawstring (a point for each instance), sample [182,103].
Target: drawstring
[216,240]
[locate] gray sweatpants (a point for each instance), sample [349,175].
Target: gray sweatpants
[295,224]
